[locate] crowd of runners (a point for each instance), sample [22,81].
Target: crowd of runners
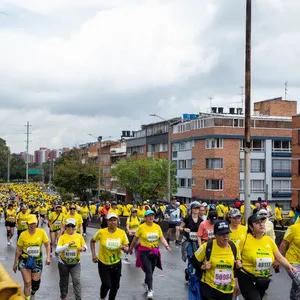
[224,257]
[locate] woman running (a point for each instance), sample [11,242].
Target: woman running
[258,253]
[148,255]
[10,222]
[29,257]
[112,241]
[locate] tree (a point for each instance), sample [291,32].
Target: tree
[146,177]
[71,175]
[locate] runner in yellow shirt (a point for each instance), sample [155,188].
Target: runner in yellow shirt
[86,216]
[22,220]
[55,223]
[112,241]
[72,214]
[278,216]
[10,222]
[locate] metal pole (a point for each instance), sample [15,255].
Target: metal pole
[27,152]
[169,163]
[99,168]
[8,165]
[247,138]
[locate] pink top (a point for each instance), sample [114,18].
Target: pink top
[206,230]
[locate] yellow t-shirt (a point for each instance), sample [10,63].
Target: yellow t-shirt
[141,213]
[133,223]
[258,255]
[221,275]
[22,221]
[149,235]
[127,210]
[11,215]
[291,214]
[72,254]
[292,235]
[278,213]
[93,209]
[115,211]
[182,210]
[78,219]
[43,210]
[220,210]
[55,220]
[238,236]
[84,212]
[110,243]
[32,244]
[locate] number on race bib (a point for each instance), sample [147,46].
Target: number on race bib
[113,244]
[11,219]
[152,237]
[193,236]
[23,223]
[210,233]
[71,253]
[263,264]
[33,251]
[222,277]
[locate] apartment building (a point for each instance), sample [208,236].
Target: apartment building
[209,153]
[296,161]
[151,140]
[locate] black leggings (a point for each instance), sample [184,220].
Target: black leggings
[249,290]
[149,263]
[208,293]
[110,278]
[85,225]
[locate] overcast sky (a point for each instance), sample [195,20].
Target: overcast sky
[72,67]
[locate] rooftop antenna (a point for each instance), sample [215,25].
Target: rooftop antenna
[285,89]
[210,101]
[242,96]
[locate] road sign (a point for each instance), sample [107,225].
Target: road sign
[34,172]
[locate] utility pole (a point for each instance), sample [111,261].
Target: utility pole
[8,164]
[210,102]
[285,90]
[99,167]
[27,151]
[247,137]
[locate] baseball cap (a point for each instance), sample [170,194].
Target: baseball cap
[71,221]
[237,204]
[212,215]
[149,212]
[112,215]
[221,227]
[204,204]
[234,213]
[133,209]
[262,212]
[32,219]
[255,218]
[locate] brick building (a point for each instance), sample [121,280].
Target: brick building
[209,154]
[296,161]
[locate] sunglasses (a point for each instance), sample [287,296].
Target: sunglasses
[72,208]
[69,225]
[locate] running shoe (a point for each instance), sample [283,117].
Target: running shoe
[8,244]
[187,275]
[84,234]
[150,294]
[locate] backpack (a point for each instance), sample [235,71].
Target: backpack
[197,265]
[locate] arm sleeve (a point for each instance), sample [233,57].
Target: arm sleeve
[60,249]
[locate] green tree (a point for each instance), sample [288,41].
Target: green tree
[72,175]
[146,177]
[17,168]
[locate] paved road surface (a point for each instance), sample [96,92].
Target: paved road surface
[169,284]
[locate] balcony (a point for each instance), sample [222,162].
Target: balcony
[282,194]
[277,153]
[281,173]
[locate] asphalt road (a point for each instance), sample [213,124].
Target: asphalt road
[168,284]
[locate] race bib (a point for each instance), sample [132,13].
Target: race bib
[193,236]
[263,264]
[133,231]
[210,233]
[113,244]
[152,237]
[11,219]
[57,223]
[71,253]
[222,277]
[23,223]
[33,251]
[84,216]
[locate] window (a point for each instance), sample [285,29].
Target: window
[282,146]
[256,186]
[257,165]
[136,150]
[281,185]
[193,181]
[106,181]
[214,184]
[182,182]
[189,182]
[213,143]
[106,170]
[193,161]
[214,163]
[281,165]
[182,164]
[242,165]
[105,157]
[174,154]
[298,137]
[256,145]
[188,163]
[175,146]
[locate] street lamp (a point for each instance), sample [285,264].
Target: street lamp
[169,154]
